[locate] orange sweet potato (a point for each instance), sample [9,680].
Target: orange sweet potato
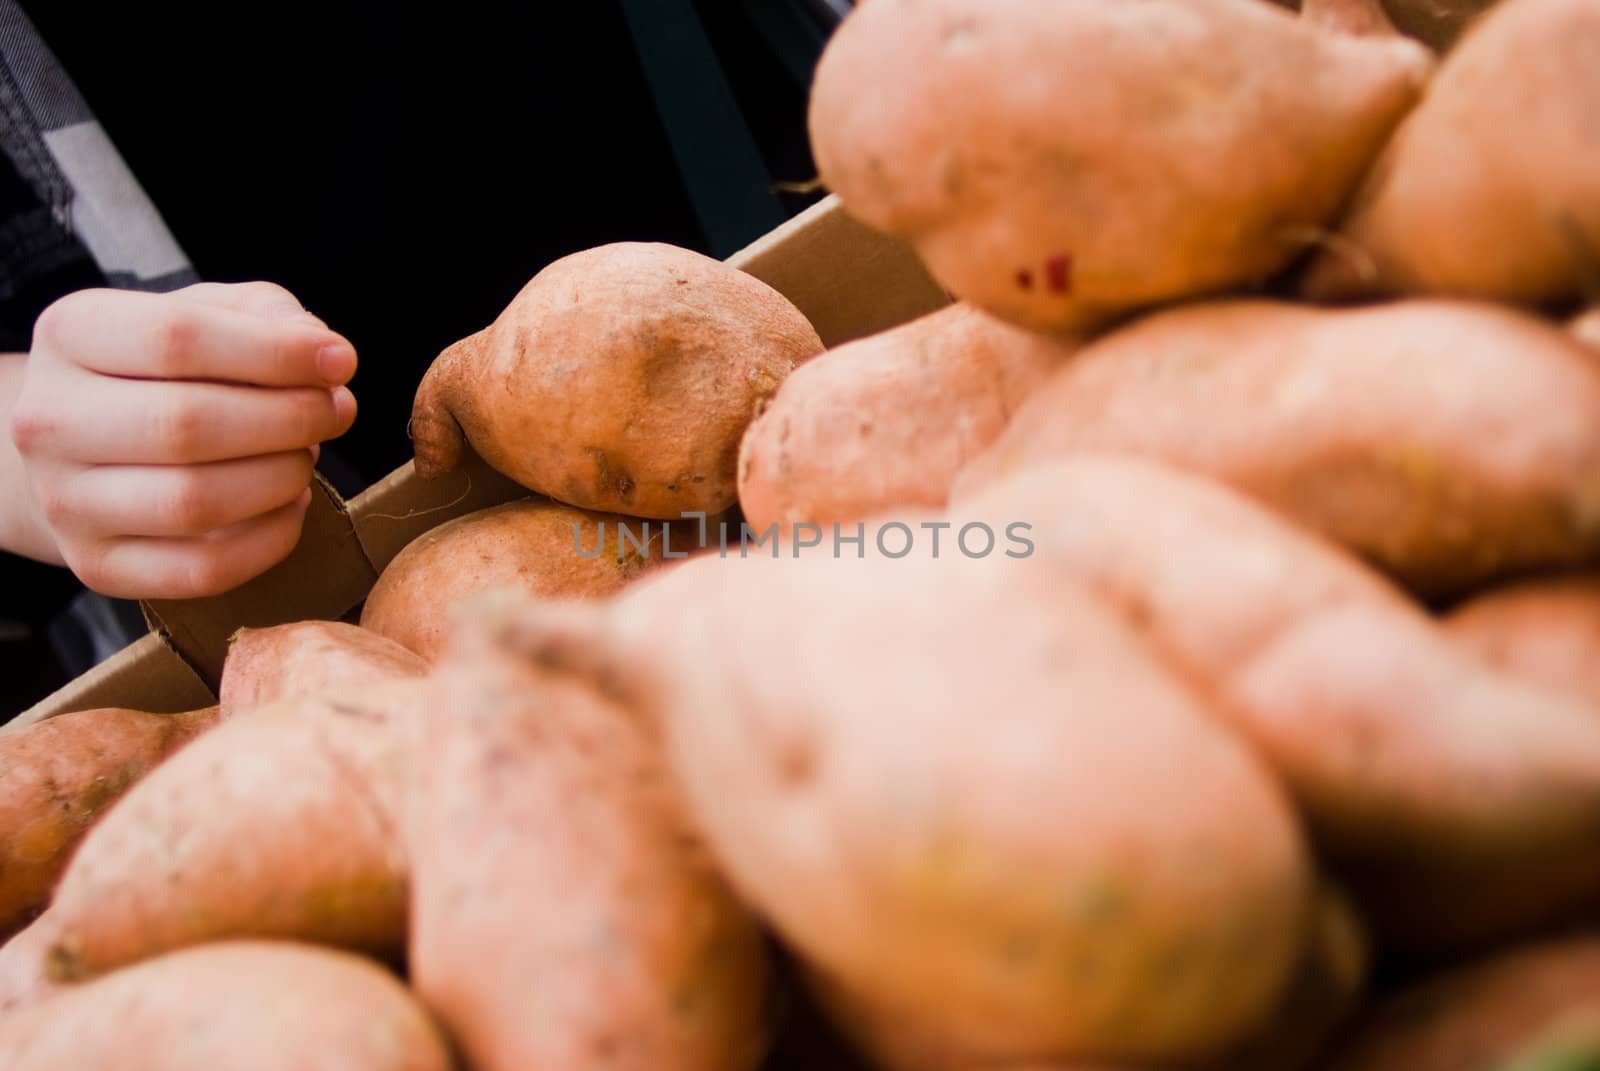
[57,776]
[1546,631]
[565,916]
[269,665]
[620,379]
[1058,163]
[886,422]
[542,548]
[1483,1015]
[286,823]
[933,776]
[1400,431]
[1491,188]
[1459,802]
[244,1006]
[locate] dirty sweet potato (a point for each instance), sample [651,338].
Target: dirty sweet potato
[269,665]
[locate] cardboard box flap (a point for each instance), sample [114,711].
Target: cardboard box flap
[848,279]
[400,507]
[145,675]
[323,577]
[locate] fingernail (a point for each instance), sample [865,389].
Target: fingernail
[304,501]
[316,452]
[336,363]
[344,404]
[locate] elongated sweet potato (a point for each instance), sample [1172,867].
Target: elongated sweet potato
[1546,631]
[620,379]
[1400,431]
[933,777]
[1481,1016]
[57,776]
[286,823]
[244,1006]
[887,421]
[535,790]
[538,547]
[1460,803]
[1491,188]
[270,665]
[1057,163]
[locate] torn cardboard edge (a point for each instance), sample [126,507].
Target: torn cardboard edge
[847,279]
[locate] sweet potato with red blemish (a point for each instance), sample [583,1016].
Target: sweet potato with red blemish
[887,421]
[270,665]
[285,823]
[620,379]
[1483,1015]
[243,1006]
[565,914]
[1059,163]
[542,548]
[1491,187]
[1458,803]
[1401,431]
[58,776]
[934,778]
[1546,631]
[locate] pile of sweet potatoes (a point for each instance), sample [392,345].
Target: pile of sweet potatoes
[1143,662]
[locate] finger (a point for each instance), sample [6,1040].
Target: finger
[259,297]
[142,568]
[129,422]
[157,336]
[176,500]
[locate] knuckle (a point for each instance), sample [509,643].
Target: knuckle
[189,504]
[177,339]
[183,428]
[206,572]
[55,504]
[50,327]
[31,427]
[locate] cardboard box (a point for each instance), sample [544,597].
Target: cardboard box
[849,280]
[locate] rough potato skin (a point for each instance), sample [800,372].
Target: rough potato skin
[1546,631]
[1491,188]
[620,379]
[1400,431]
[270,665]
[58,776]
[887,422]
[1019,892]
[1482,1015]
[1056,163]
[542,548]
[243,1006]
[286,823]
[565,915]
[1459,803]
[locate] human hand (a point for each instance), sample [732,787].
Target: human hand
[168,439]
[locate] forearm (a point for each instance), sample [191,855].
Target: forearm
[22,530]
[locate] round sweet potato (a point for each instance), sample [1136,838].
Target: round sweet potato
[934,777]
[57,776]
[1401,431]
[1546,631]
[270,665]
[244,1006]
[538,547]
[1056,163]
[887,421]
[620,379]
[1491,188]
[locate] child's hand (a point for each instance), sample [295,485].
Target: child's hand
[168,439]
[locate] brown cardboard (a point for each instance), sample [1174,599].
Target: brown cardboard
[322,578]
[146,675]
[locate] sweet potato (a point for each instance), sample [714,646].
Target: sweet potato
[887,421]
[1491,188]
[286,823]
[244,1006]
[1058,163]
[1459,802]
[1481,1016]
[537,791]
[1400,431]
[933,777]
[620,379]
[269,665]
[1546,631]
[542,548]
[57,776]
